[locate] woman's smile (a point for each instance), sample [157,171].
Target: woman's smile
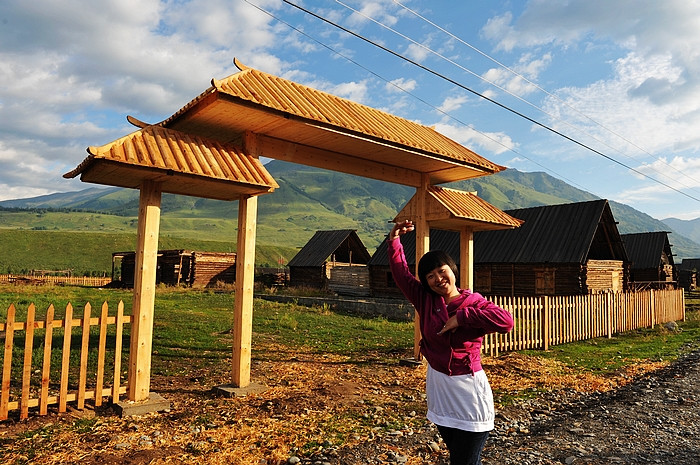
[442,281]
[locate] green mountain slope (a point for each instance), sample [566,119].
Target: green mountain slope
[308,199]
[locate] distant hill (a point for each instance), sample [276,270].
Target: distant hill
[308,199]
[687,228]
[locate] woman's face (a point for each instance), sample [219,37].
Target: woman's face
[442,281]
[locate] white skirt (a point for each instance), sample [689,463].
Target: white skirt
[464,402]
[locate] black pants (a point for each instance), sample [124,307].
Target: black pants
[464,446]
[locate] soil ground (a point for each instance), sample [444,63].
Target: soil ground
[324,409]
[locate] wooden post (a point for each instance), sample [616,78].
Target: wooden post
[422,246]
[243,304]
[144,292]
[546,311]
[609,314]
[466,259]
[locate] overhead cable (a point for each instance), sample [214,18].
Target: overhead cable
[538,87]
[495,102]
[420,99]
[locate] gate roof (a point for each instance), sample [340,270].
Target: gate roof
[300,124]
[182,163]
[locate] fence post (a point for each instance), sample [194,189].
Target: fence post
[652,308]
[609,311]
[545,318]
[7,362]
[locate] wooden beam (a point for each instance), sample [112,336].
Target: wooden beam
[422,246]
[144,292]
[243,304]
[466,259]
[278,149]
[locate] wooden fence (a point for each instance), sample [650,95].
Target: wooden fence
[541,322]
[36,388]
[46,279]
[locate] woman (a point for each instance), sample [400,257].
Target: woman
[453,322]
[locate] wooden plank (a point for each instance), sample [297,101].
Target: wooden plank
[306,155]
[144,292]
[46,365]
[119,331]
[101,349]
[65,359]
[70,397]
[7,361]
[84,352]
[27,365]
[243,303]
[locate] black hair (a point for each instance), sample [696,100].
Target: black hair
[430,261]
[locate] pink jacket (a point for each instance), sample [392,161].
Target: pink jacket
[453,353]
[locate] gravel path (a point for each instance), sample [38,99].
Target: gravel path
[654,420]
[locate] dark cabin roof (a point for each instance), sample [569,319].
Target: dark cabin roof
[645,250]
[323,244]
[447,241]
[690,264]
[567,233]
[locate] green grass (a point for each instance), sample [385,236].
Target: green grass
[89,253]
[192,330]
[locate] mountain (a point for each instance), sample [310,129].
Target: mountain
[308,199]
[688,228]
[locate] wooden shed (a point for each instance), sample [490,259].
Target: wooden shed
[336,260]
[651,260]
[688,273]
[181,268]
[563,249]
[559,250]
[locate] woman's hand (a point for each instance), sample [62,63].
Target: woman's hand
[450,326]
[400,229]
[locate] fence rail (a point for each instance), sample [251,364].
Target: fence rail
[545,321]
[540,322]
[46,279]
[45,391]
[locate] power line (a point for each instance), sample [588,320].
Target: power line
[495,102]
[420,99]
[537,86]
[537,107]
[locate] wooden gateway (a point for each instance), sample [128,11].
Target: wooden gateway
[211,148]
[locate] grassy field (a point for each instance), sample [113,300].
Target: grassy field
[89,253]
[192,329]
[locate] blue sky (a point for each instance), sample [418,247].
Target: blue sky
[620,77]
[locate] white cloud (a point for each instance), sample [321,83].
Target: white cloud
[401,85]
[521,81]
[451,104]
[377,10]
[493,142]
[622,105]
[355,91]
[417,53]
